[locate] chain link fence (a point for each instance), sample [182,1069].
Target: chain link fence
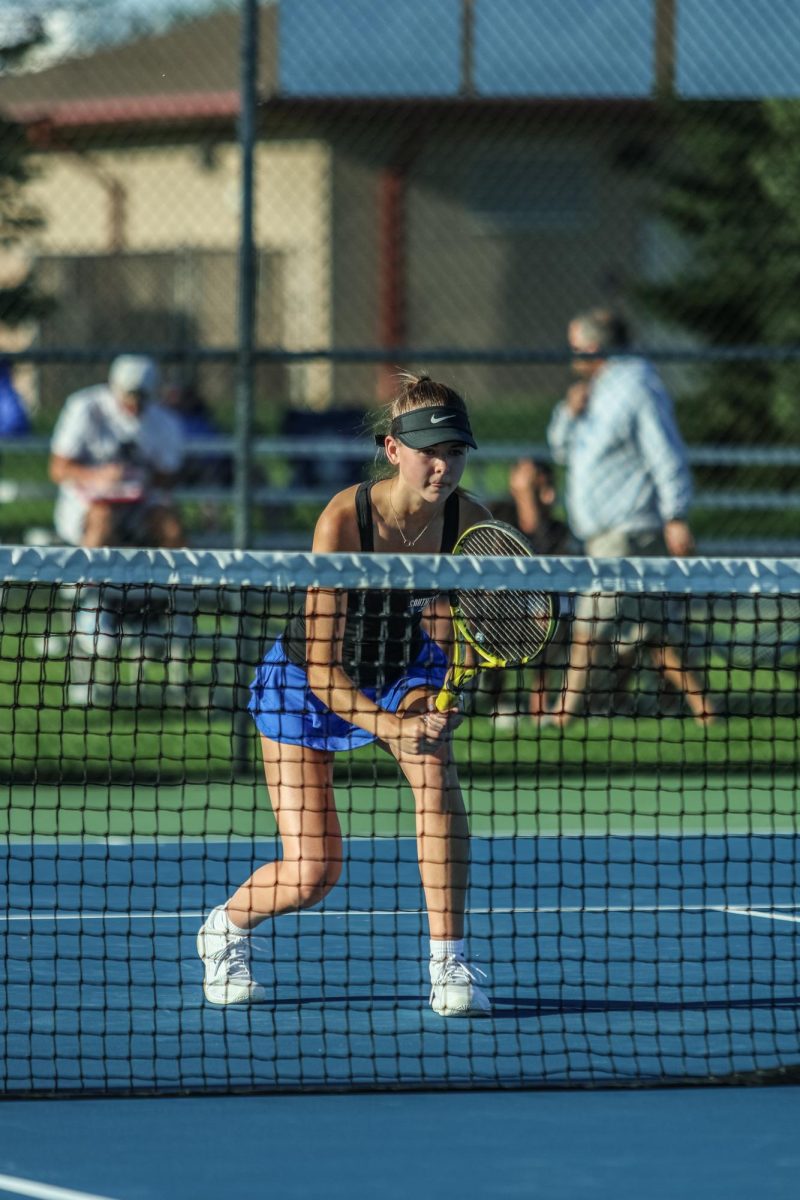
[436,184]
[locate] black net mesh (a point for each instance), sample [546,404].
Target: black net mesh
[633,894]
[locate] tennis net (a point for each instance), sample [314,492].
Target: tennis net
[634,896]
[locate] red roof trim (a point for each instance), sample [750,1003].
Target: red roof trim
[118,110]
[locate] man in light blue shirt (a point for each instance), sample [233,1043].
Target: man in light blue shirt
[627,470]
[628,491]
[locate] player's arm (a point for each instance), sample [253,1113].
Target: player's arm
[438,623]
[326,611]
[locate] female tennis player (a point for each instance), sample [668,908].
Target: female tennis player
[357,668]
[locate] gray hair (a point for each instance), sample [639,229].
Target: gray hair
[606,328]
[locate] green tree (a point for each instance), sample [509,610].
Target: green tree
[19,301]
[724,187]
[777,168]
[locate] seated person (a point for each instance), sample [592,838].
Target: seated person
[529,509]
[532,493]
[114,453]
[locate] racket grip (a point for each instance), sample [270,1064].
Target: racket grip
[446,699]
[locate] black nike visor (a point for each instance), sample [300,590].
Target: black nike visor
[421,428]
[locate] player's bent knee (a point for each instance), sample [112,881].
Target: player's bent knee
[316,880]
[309,894]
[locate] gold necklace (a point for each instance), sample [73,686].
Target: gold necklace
[407,541]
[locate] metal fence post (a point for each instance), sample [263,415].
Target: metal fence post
[243,433]
[242,518]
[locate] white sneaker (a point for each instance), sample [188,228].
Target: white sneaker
[453,989]
[226,958]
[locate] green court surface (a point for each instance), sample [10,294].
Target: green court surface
[169,772]
[621,803]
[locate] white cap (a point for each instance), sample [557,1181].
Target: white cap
[134,373]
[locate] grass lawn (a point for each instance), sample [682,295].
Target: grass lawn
[177,755]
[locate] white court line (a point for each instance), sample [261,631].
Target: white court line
[7,918]
[500,832]
[323,914]
[766,916]
[43,1191]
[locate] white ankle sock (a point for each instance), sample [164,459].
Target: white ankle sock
[446,949]
[221,923]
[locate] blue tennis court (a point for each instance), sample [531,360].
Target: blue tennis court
[665,1144]
[610,959]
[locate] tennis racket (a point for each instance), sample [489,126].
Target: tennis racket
[504,628]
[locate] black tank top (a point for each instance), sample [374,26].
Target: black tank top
[382,633]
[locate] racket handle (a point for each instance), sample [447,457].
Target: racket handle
[446,699]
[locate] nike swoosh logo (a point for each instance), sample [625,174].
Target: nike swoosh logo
[438,420]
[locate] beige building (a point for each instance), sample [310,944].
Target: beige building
[445,223]
[138,180]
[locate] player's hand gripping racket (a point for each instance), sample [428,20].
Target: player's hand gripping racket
[503,628]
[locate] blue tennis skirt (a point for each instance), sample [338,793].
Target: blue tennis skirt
[286,710]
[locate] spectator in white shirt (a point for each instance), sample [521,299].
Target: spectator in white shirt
[114,453]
